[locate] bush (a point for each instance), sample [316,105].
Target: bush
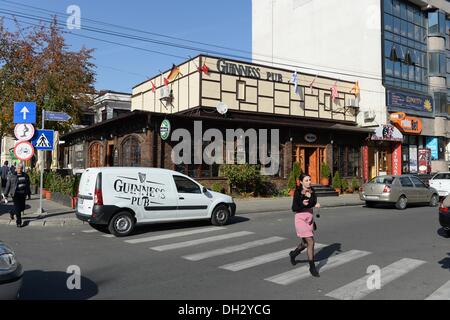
[345,184]
[217,187]
[337,180]
[242,177]
[325,170]
[295,174]
[355,184]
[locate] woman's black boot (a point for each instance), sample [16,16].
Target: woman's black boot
[313,270]
[294,254]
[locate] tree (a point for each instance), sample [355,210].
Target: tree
[36,65]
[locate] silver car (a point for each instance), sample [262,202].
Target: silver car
[11,273]
[398,190]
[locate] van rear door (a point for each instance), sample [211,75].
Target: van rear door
[86,191]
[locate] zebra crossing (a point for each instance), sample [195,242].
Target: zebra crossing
[203,236]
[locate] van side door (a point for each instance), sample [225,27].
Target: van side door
[192,202]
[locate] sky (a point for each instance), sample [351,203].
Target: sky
[221,23]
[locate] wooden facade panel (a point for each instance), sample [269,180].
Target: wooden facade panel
[338,116]
[183,102]
[282,98]
[194,90]
[312,102]
[251,95]
[210,89]
[229,83]
[324,113]
[249,107]
[230,100]
[265,105]
[297,108]
[250,82]
[212,76]
[282,86]
[209,102]
[295,96]
[265,88]
[149,101]
[311,114]
[284,111]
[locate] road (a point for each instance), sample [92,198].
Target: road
[194,260]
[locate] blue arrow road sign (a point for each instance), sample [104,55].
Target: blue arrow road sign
[43,140]
[25,112]
[56,116]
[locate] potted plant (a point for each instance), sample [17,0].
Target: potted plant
[294,181]
[345,187]
[74,193]
[355,184]
[325,174]
[337,182]
[51,185]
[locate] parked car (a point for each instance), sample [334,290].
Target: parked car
[398,190]
[121,198]
[441,182]
[11,273]
[444,215]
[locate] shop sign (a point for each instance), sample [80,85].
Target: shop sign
[310,137]
[406,124]
[366,163]
[432,144]
[387,133]
[164,130]
[236,69]
[413,159]
[397,159]
[407,101]
[424,161]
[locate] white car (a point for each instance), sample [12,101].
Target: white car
[441,182]
[121,198]
[11,273]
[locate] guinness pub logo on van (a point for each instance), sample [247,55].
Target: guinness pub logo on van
[140,193]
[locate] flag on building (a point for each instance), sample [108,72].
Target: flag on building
[153,87]
[312,83]
[294,79]
[174,73]
[166,82]
[355,89]
[334,92]
[203,69]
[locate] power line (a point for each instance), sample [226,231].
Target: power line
[355,74]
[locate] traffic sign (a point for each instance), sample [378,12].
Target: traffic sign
[43,140]
[24,131]
[57,116]
[24,151]
[25,112]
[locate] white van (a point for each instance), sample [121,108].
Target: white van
[120,198]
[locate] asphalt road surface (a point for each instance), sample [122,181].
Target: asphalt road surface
[247,259]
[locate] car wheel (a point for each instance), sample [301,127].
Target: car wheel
[220,216]
[434,200]
[370,204]
[447,232]
[401,203]
[122,224]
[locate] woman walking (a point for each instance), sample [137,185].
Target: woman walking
[304,201]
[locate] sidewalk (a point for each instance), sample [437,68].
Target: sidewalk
[59,215]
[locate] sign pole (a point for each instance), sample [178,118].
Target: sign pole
[41,210]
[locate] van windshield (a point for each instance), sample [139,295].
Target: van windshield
[382,180]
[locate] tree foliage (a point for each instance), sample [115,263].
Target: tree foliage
[37,65]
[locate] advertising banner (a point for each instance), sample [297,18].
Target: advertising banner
[397,159]
[407,101]
[413,159]
[432,144]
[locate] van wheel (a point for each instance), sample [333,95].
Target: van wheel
[122,224]
[401,203]
[220,216]
[434,200]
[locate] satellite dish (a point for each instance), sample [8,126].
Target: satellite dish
[222,108]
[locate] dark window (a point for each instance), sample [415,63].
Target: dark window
[185,185]
[406,182]
[131,152]
[418,183]
[442,176]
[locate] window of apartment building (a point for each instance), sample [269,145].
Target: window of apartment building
[440,102]
[437,63]
[405,49]
[436,23]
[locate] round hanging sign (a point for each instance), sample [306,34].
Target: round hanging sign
[165,129]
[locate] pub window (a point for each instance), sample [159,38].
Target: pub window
[131,152]
[240,90]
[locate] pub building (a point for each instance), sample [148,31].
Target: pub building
[315,126]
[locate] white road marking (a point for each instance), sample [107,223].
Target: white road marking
[322,265]
[185,244]
[358,289]
[443,293]
[89,231]
[266,258]
[226,250]
[174,235]
[108,235]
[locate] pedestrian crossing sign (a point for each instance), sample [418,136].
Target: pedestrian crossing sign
[43,140]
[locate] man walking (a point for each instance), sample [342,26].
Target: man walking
[4,175]
[18,186]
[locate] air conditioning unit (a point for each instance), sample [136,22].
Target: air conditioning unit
[165,94]
[369,115]
[352,102]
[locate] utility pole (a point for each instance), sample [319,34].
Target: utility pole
[41,210]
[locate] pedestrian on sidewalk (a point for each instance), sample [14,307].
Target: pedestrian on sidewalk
[305,200]
[18,186]
[4,174]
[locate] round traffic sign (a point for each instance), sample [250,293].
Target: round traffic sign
[24,131]
[24,151]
